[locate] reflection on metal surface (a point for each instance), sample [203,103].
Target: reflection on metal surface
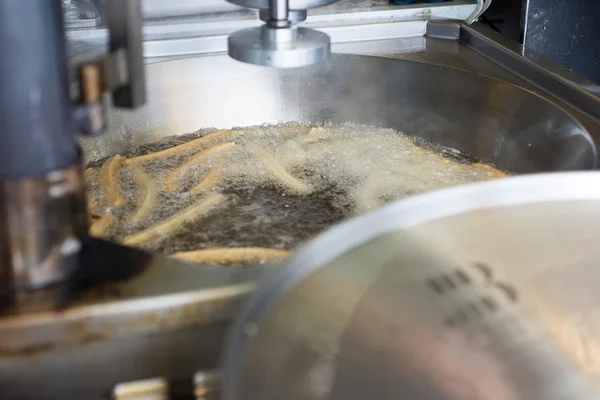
[169,321]
[42,222]
[336,329]
[206,385]
[495,121]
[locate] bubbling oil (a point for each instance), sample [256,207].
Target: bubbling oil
[350,169]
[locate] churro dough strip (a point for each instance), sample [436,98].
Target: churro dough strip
[177,174]
[192,144]
[174,222]
[317,135]
[317,130]
[209,181]
[279,172]
[99,227]
[93,206]
[491,171]
[147,198]
[108,179]
[236,255]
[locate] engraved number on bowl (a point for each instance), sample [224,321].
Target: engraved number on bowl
[480,306]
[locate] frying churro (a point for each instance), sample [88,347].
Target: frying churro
[147,199]
[178,173]
[93,206]
[236,255]
[491,171]
[108,179]
[279,173]
[99,227]
[209,181]
[317,130]
[174,222]
[191,145]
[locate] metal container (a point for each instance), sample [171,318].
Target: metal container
[453,294]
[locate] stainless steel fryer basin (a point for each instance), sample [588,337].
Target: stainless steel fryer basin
[490,119]
[174,325]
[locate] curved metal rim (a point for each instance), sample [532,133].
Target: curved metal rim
[419,209]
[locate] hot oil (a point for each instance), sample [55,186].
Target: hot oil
[349,169]
[263,218]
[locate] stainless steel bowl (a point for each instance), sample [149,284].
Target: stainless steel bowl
[355,313]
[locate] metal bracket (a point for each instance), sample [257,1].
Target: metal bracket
[120,72]
[482,6]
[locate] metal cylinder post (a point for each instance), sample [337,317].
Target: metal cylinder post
[41,192]
[278,10]
[35,111]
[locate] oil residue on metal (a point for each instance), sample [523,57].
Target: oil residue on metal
[350,168]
